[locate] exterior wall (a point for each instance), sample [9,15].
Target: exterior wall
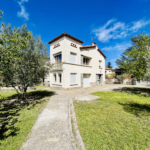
[108,72]
[67,68]
[127,81]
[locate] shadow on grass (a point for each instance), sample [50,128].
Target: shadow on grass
[134,90]
[10,107]
[137,109]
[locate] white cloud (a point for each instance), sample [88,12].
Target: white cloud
[116,30]
[117,47]
[23,12]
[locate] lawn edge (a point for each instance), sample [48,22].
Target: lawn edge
[29,134]
[78,138]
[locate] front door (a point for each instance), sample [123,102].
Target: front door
[98,78]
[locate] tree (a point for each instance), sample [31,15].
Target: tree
[23,58]
[109,65]
[133,60]
[147,75]
[1,14]
[1,17]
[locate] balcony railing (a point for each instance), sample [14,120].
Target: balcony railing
[57,66]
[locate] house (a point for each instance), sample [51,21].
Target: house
[116,71]
[75,65]
[109,71]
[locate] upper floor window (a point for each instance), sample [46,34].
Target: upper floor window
[86,61]
[73,58]
[100,64]
[58,58]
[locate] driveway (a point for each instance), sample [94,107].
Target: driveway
[51,130]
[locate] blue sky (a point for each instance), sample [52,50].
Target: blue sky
[110,23]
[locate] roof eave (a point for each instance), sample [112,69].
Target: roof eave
[102,53]
[84,47]
[67,35]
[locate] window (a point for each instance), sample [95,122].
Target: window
[86,61]
[59,76]
[100,63]
[73,78]
[72,58]
[58,59]
[55,78]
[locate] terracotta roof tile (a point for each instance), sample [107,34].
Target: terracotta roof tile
[91,46]
[67,35]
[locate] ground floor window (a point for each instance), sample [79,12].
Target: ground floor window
[55,78]
[73,78]
[59,77]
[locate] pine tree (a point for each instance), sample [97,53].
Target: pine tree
[109,65]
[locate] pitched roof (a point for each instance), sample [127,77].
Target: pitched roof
[108,68]
[91,46]
[67,35]
[102,53]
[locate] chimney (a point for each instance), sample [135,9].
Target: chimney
[93,44]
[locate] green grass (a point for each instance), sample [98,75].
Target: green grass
[116,121]
[13,138]
[38,86]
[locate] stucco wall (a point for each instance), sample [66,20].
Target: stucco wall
[68,68]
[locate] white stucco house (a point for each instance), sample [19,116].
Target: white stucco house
[109,71]
[75,65]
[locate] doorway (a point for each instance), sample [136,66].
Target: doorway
[98,78]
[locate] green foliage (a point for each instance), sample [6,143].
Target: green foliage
[23,59]
[115,121]
[121,77]
[109,65]
[147,75]
[133,59]
[17,118]
[1,14]
[111,75]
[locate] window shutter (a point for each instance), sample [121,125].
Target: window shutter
[73,58]
[99,63]
[81,59]
[73,78]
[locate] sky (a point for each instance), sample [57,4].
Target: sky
[108,23]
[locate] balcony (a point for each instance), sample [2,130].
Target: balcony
[57,66]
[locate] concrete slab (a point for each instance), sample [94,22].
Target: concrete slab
[86,98]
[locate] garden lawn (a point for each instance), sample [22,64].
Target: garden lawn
[27,116]
[116,121]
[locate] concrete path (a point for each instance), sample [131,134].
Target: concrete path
[51,130]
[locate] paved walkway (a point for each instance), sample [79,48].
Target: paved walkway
[51,130]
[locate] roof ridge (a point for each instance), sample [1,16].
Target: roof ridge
[65,34]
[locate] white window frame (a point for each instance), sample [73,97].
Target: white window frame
[60,53]
[75,58]
[59,78]
[54,74]
[75,79]
[88,59]
[100,63]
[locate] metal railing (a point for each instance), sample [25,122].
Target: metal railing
[57,66]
